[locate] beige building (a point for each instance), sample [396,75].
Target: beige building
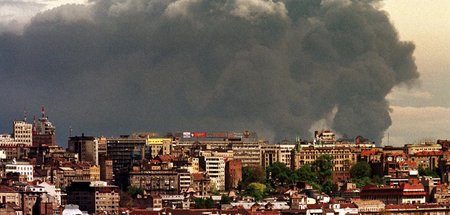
[226,154]
[94,172]
[245,145]
[370,206]
[95,197]
[9,195]
[343,159]
[65,175]
[156,181]
[159,146]
[272,153]
[23,133]
[412,149]
[6,140]
[248,152]
[106,169]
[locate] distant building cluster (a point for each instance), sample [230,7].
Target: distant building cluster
[168,173]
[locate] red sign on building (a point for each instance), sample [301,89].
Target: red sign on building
[199,134]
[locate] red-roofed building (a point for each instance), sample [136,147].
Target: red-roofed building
[371,155]
[412,192]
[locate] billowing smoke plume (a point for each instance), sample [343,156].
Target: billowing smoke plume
[276,67]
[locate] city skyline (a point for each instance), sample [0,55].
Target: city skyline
[406,105]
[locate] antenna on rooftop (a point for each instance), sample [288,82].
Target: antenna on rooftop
[34,123]
[42,111]
[24,115]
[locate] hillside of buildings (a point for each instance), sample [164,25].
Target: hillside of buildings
[217,172]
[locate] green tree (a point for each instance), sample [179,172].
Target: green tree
[378,180]
[134,191]
[360,174]
[306,173]
[360,170]
[225,200]
[199,203]
[323,167]
[252,174]
[279,174]
[256,190]
[209,203]
[427,172]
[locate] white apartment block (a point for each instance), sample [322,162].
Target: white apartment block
[22,133]
[215,168]
[25,169]
[185,181]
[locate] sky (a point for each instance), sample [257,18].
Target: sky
[423,112]
[90,98]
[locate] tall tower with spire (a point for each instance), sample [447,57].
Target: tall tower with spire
[43,131]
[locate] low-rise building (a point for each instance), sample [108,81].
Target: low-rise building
[94,197]
[24,168]
[370,207]
[9,195]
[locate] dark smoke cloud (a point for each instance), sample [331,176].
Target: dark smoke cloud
[277,67]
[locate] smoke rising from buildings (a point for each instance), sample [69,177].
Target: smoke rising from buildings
[276,67]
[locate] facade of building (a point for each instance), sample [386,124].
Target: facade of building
[249,152]
[343,159]
[156,182]
[159,146]
[411,192]
[23,133]
[94,197]
[25,169]
[43,132]
[63,176]
[214,166]
[272,153]
[412,149]
[123,151]
[86,147]
[233,174]
[6,140]
[9,195]
[106,169]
